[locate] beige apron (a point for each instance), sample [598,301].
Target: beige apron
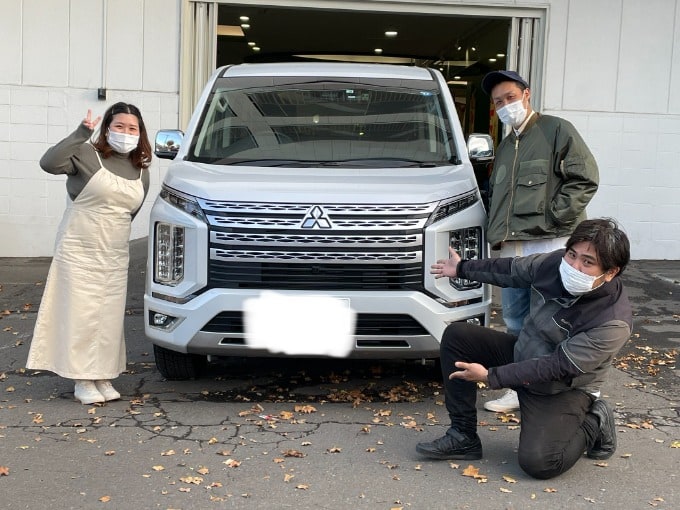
[79,329]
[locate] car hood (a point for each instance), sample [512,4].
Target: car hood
[328,184]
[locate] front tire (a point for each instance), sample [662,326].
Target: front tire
[178,366]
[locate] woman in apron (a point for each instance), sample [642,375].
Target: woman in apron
[79,329]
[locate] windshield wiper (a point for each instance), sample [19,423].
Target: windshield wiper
[358,162]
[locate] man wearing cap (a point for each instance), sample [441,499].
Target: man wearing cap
[543,178]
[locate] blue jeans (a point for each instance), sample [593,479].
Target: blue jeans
[515,303]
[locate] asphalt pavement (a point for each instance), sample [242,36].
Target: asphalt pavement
[313,434]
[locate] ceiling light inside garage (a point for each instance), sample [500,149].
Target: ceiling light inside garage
[391,33]
[229,30]
[244,19]
[378,51]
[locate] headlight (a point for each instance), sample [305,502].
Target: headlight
[182,201]
[452,206]
[468,243]
[169,254]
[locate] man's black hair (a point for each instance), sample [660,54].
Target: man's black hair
[610,242]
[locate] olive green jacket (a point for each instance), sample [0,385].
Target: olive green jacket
[541,182]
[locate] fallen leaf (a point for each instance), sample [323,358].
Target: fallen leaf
[4,471]
[302,487]
[549,489]
[675,444]
[232,463]
[196,480]
[158,468]
[293,453]
[288,477]
[601,464]
[473,472]
[334,449]
[503,489]
[166,453]
[305,409]
[203,470]
[105,499]
[509,479]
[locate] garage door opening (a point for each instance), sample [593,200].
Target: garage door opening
[463,43]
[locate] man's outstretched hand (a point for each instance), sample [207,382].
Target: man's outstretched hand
[446,267]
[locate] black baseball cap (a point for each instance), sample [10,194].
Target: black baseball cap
[495,77]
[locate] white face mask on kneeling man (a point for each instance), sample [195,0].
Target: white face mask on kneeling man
[576,282]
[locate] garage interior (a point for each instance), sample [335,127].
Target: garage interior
[463,48]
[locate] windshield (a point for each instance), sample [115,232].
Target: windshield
[294,122]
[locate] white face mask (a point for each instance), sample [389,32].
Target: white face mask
[576,282]
[512,114]
[121,142]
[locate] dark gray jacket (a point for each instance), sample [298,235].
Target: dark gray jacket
[566,342]
[541,182]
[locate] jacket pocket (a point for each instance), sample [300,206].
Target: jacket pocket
[530,193]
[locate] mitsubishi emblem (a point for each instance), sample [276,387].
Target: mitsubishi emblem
[316,218]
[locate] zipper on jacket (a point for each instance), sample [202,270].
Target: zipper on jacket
[512,190]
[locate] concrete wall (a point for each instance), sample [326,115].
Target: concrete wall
[56,54]
[610,67]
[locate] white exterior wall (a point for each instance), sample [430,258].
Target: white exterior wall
[56,54]
[611,67]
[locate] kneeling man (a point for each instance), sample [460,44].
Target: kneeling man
[580,317]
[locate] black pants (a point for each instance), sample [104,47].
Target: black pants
[555,429]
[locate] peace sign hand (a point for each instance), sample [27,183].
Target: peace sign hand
[89,123]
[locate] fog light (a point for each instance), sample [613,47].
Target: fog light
[160,319]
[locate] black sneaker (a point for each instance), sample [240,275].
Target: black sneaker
[605,444]
[454,445]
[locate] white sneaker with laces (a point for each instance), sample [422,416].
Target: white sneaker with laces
[107,390]
[87,392]
[507,403]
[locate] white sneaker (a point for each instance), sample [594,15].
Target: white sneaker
[507,403]
[107,390]
[87,392]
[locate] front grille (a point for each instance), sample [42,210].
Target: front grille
[315,276]
[316,246]
[379,324]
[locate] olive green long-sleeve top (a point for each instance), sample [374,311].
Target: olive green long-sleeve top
[77,159]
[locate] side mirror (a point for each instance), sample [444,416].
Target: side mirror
[168,143]
[480,148]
